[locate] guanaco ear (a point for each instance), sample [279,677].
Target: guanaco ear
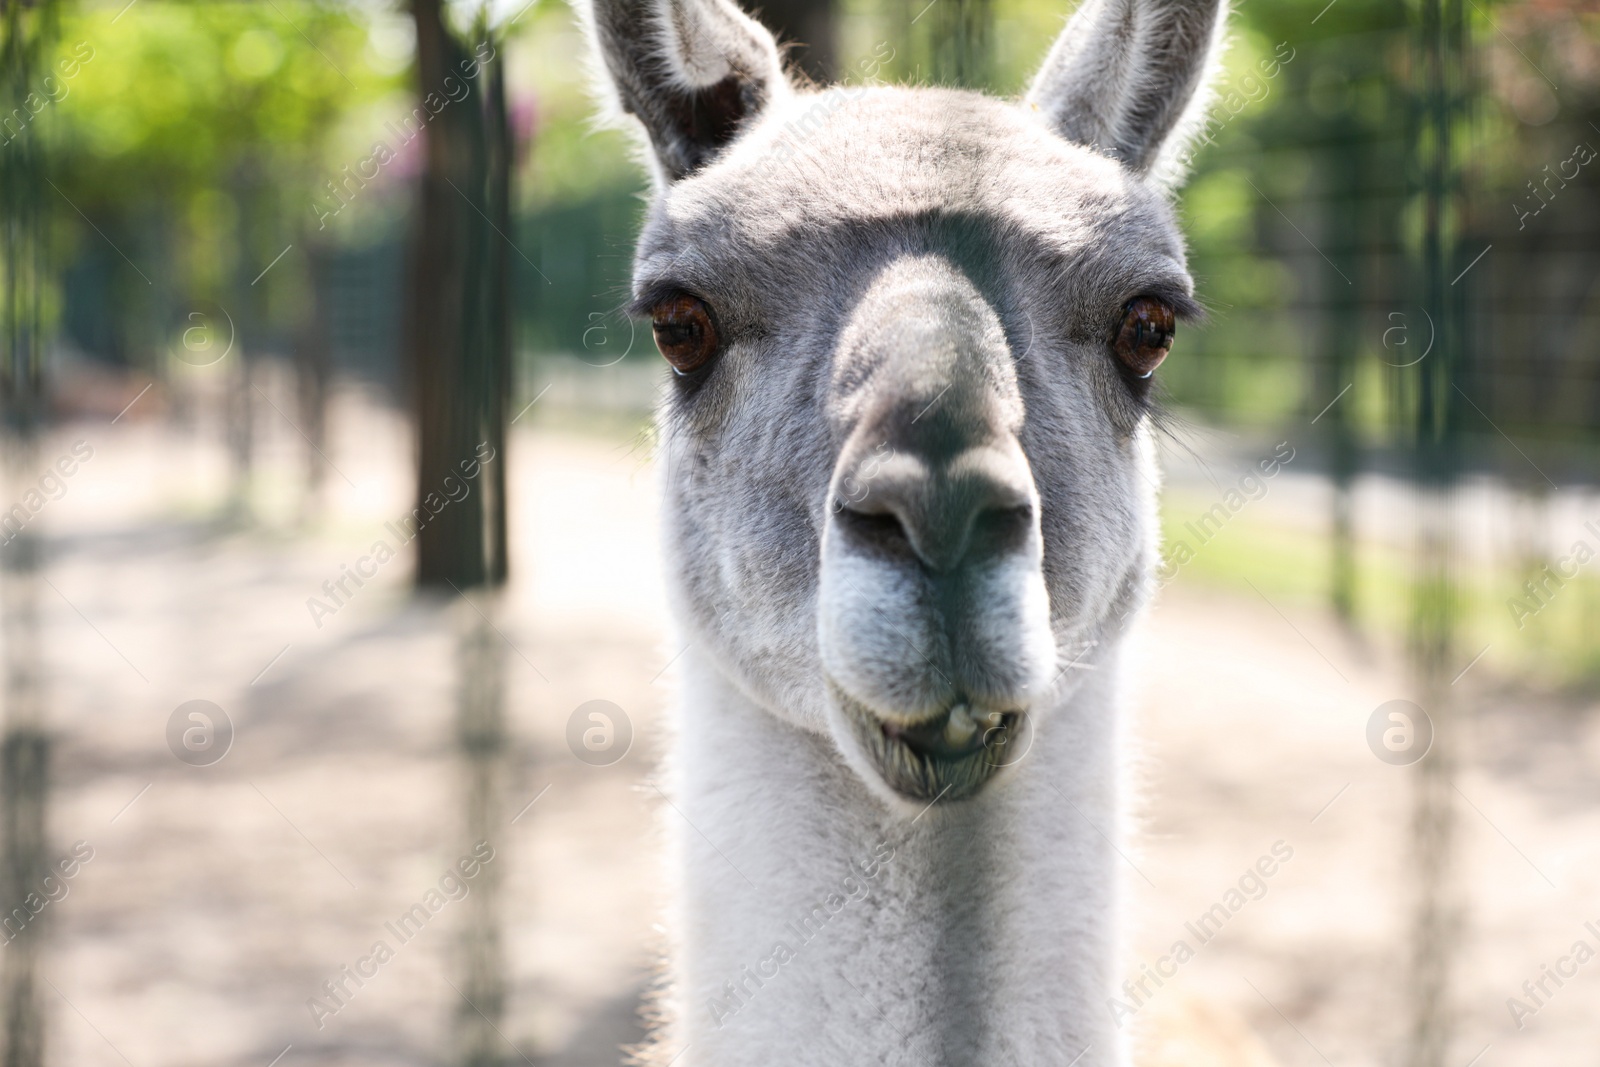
[1127,77]
[693,72]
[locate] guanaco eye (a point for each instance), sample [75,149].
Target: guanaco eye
[684,332]
[1145,335]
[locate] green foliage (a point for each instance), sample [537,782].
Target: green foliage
[27,88]
[192,135]
[574,157]
[197,136]
[178,95]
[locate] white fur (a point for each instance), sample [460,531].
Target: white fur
[1022,909]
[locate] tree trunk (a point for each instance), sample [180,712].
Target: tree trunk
[26,34]
[459,336]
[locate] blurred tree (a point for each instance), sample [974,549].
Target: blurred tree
[196,144]
[460,334]
[195,147]
[1441,95]
[28,82]
[27,33]
[951,42]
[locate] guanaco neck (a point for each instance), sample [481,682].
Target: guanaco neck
[815,925]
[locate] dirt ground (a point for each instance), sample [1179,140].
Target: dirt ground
[220,898]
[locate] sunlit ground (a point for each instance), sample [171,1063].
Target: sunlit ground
[219,899]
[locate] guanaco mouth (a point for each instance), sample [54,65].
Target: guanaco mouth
[947,756]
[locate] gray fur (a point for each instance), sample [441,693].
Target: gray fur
[695,73]
[915,476]
[1127,74]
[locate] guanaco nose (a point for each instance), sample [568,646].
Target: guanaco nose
[929,473]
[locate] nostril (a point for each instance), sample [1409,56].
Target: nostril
[881,530]
[999,531]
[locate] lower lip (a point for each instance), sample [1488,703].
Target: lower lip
[930,776]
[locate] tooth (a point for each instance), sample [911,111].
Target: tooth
[959,727]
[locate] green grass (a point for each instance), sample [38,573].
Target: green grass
[1558,646]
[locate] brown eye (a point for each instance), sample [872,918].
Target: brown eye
[684,332]
[1145,335]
